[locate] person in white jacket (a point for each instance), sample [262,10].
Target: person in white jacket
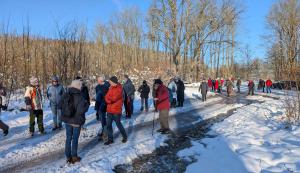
[173,88]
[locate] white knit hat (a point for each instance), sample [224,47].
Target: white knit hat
[34,80]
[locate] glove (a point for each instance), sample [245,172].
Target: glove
[28,107]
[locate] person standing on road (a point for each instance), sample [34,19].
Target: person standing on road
[54,94]
[34,104]
[203,89]
[144,89]
[269,85]
[114,100]
[180,91]
[251,86]
[229,87]
[3,106]
[238,84]
[129,91]
[163,105]
[173,89]
[73,106]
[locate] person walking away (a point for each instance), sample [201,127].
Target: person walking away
[100,105]
[180,92]
[203,89]
[163,106]
[114,100]
[34,104]
[251,86]
[73,106]
[229,87]
[217,85]
[3,106]
[129,91]
[54,94]
[144,89]
[269,85]
[238,84]
[173,88]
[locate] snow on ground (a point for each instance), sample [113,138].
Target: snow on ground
[253,139]
[18,147]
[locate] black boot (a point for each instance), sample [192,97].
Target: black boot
[5,132]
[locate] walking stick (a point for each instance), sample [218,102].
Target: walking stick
[153,118]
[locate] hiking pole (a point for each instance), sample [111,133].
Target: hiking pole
[153,122]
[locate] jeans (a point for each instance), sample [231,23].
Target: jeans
[269,90]
[203,97]
[117,119]
[39,115]
[144,101]
[239,88]
[128,103]
[72,134]
[103,120]
[56,116]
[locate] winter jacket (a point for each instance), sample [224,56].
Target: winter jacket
[209,82]
[173,88]
[144,90]
[180,90]
[33,97]
[269,83]
[163,101]
[3,103]
[85,93]
[216,84]
[229,85]
[101,91]
[251,84]
[238,82]
[170,95]
[55,93]
[114,99]
[203,88]
[129,88]
[81,106]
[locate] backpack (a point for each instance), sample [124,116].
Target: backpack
[68,105]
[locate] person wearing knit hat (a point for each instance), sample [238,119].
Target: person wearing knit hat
[54,94]
[74,103]
[163,105]
[34,104]
[114,101]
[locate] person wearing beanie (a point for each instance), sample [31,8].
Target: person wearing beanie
[54,94]
[114,101]
[100,105]
[163,105]
[74,122]
[129,91]
[144,89]
[84,90]
[34,104]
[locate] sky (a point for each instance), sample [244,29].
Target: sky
[44,16]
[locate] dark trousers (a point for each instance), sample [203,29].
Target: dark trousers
[251,91]
[117,119]
[144,101]
[128,104]
[203,97]
[173,103]
[39,115]
[3,126]
[103,120]
[239,88]
[72,134]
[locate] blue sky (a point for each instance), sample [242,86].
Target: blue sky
[44,14]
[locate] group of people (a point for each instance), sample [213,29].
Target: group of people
[216,85]
[262,85]
[69,105]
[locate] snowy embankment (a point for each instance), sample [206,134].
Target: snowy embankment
[253,139]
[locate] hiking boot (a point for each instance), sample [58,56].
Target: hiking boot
[69,160]
[160,130]
[42,132]
[124,140]
[76,159]
[5,132]
[166,131]
[54,128]
[108,142]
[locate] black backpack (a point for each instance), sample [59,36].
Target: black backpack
[68,105]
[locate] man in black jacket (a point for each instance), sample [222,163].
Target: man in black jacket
[180,91]
[73,124]
[84,90]
[3,106]
[144,89]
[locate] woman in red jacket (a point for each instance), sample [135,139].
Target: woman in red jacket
[269,84]
[163,105]
[210,84]
[114,101]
